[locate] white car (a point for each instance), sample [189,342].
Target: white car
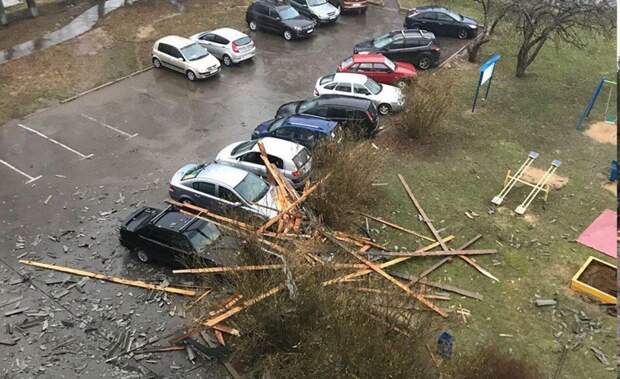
[185,56]
[386,98]
[322,11]
[292,159]
[228,45]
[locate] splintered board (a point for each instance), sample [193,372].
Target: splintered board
[597,279]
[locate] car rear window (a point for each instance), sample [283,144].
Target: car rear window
[327,79]
[347,62]
[301,158]
[243,41]
[137,220]
[243,147]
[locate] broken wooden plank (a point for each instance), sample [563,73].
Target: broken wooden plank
[382,265]
[425,218]
[280,180]
[392,280]
[11,301]
[438,253]
[481,269]
[206,270]
[113,279]
[293,205]
[450,288]
[227,330]
[357,241]
[397,227]
[199,298]
[199,211]
[15,311]
[231,370]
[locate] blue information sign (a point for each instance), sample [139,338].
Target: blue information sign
[487,69]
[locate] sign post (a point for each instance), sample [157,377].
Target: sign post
[487,69]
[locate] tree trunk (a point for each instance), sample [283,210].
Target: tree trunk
[522,61]
[474,52]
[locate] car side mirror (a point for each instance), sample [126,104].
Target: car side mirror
[277,18]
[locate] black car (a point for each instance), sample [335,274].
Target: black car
[350,112]
[175,239]
[441,21]
[415,46]
[278,17]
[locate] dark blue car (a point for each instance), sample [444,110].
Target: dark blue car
[302,129]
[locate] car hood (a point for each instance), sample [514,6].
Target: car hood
[405,69]
[223,252]
[288,109]
[390,93]
[262,128]
[204,64]
[299,21]
[323,9]
[364,46]
[469,21]
[269,203]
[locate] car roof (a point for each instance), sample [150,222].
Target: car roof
[172,219]
[344,100]
[229,33]
[367,57]
[280,148]
[311,123]
[429,8]
[218,173]
[349,78]
[176,41]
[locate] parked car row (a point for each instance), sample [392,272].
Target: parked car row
[365,85]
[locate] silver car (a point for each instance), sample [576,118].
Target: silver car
[228,45]
[292,159]
[224,189]
[186,56]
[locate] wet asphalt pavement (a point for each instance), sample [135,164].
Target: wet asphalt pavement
[139,131]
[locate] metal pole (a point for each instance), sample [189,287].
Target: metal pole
[586,112]
[486,95]
[473,107]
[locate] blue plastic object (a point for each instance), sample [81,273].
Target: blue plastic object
[445,343]
[613,172]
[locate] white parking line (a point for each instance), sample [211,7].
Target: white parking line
[82,156]
[117,130]
[30,178]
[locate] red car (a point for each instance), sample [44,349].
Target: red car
[351,5]
[379,68]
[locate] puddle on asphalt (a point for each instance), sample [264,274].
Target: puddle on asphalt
[77,26]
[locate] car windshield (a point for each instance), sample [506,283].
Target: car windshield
[243,147]
[455,16]
[301,158]
[287,13]
[373,86]
[314,3]
[193,172]
[276,124]
[194,52]
[243,41]
[382,41]
[202,234]
[390,64]
[347,62]
[252,188]
[304,106]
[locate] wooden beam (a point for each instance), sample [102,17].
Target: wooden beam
[293,205]
[360,242]
[450,288]
[422,213]
[382,265]
[475,265]
[205,213]
[228,330]
[280,180]
[392,280]
[113,279]
[438,253]
[199,298]
[206,270]
[397,227]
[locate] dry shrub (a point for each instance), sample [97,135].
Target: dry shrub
[428,100]
[492,363]
[354,165]
[327,332]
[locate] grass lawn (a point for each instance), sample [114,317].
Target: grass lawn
[463,166]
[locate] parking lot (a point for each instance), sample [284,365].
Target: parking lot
[83,165]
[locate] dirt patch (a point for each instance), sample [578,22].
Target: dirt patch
[603,132]
[601,277]
[611,187]
[533,175]
[145,32]
[530,218]
[93,42]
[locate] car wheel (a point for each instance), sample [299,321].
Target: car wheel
[384,109]
[227,61]
[287,35]
[156,63]
[253,26]
[142,256]
[401,84]
[425,62]
[190,75]
[462,34]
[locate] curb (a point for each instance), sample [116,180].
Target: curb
[451,57]
[105,85]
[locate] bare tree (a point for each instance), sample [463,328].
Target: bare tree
[537,21]
[493,12]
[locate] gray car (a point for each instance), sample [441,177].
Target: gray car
[224,189]
[292,159]
[228,45]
